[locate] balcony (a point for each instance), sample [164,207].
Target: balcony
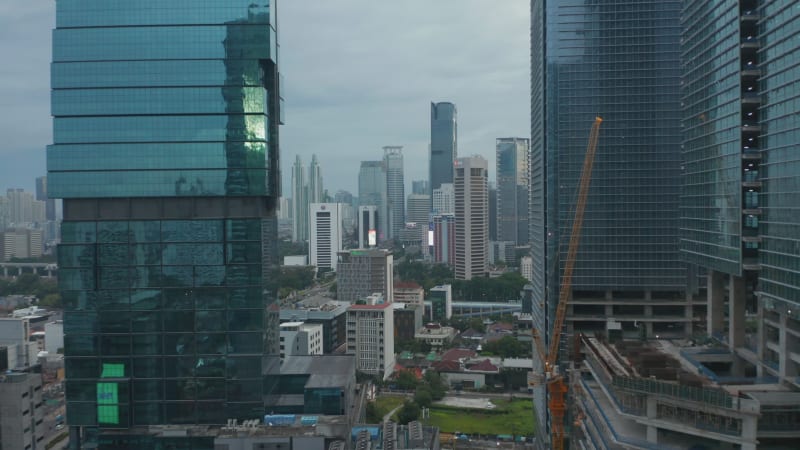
[750,16]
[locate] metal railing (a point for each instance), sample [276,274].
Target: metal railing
[714,397]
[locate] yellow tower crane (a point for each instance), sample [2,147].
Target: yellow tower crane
[556,386]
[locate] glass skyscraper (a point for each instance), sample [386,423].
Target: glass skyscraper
[740,201]
[165,153]
[779,255]
[395,189]
[372,192]
[444,143]
[619,60]
[512,190]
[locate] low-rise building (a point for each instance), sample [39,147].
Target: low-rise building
[331,314]
[54,336]
[407,320]
[21,411]
[300,339]
[15,334]
[441,298]
[435,335]
[409,292]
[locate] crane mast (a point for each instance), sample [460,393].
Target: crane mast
[556,386]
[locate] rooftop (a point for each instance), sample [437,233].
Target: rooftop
[324,370]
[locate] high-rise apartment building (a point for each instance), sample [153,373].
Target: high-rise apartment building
[444,239]
[165,154]
[512,190]
[41,195]
[326,238]
[300,202]
[20,243]
[471,186]
[365,272]
[444,143]
[418,209]
[372,192]
[444,199]
[395,189]
[349,209]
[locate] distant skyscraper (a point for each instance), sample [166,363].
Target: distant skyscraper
[420,187]
[315,190]
[372,191]
[512,190]
[444,199]
[444,144]
[418,209]
[299,202]
[349,209]
[492,212]
[325,235]
[166,154]
[418,212]
[471,186]
[41,195]
[368,226]
[444,239]
[395,189]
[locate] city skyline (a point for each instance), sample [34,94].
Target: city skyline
[344,115]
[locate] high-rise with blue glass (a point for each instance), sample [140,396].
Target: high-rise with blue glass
[740,207]
[619,60]
[444,143]
[165,153]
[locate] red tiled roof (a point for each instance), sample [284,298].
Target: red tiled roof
[447,366]
[455,354]
[484,366]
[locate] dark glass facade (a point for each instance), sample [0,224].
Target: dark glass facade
[166,155]
[444,143]
[779,281]
[512,190]
[619,60]
[712,180]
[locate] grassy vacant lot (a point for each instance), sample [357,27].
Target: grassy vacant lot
[386,403]
[510,417]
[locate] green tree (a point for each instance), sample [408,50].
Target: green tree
[51,301]
[423,396]
[406,380]
[476,323]
[409,412]
[508,347]
[437,386]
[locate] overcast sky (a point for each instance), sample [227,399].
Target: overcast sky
[359,75]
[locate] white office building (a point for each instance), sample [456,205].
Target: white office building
[325,235]
[472,217]
[300,339]
[370,337]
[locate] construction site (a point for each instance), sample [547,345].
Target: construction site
[664,395]
[616,388]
